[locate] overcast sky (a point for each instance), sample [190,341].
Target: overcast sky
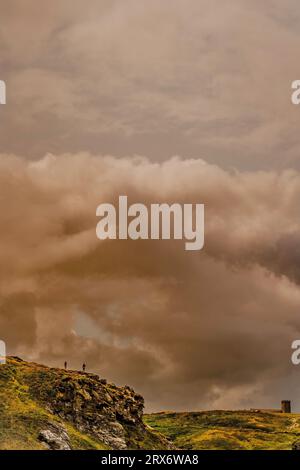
[176,101]
[198,78]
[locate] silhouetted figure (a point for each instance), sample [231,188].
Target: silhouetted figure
[66,365]
[83,367]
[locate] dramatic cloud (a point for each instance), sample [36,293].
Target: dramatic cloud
[200,78]
[194,77]
[187,329]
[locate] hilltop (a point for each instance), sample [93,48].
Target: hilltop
[50,408]
[228,430]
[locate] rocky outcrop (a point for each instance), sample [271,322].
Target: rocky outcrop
[103,412]
[95,407]
[53,408]
[63,409]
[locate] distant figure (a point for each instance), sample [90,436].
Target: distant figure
[83,367]
[66,365]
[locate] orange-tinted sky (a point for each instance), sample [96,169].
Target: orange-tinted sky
[209,82]
[198,78]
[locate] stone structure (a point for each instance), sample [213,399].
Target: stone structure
[286,406]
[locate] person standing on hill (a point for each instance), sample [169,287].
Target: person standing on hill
[83,367]
[66,365]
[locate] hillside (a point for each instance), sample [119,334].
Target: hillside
[235,430]
[42,408]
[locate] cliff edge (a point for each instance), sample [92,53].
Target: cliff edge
[50,408]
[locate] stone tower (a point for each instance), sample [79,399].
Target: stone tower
[285,406]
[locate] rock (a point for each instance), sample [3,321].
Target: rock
[111,433]
[55,437]
[96,408]
[296,445]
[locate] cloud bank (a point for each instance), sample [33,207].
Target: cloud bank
[187,329]
[195,77]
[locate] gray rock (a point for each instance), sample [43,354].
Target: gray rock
[296,445]
[55,437]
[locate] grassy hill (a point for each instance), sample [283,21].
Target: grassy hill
[232,430]
[42,407]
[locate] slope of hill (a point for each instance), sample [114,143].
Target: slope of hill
[42,407]
[235,430]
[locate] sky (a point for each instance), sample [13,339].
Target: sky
[175,101]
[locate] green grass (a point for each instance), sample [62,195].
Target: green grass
[228,430]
